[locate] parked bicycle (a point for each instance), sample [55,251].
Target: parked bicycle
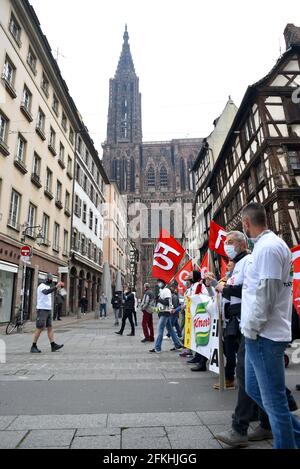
[17,324]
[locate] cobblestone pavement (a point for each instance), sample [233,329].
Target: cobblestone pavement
[105,391]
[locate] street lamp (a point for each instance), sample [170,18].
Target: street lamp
[39,238]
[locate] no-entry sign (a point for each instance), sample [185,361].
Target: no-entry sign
[25,251]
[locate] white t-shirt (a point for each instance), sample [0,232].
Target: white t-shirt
[164,293]
[44,301]
[271,259]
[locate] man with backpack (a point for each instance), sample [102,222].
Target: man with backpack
[147,324]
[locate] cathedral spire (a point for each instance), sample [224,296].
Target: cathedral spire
[125,65]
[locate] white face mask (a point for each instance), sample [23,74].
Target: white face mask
[230,251]
[160,285]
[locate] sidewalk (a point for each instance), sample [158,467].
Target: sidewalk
[29,327]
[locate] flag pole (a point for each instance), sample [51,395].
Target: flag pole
[221,349]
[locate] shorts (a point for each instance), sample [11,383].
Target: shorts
[43,319]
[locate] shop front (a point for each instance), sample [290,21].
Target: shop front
[8,279]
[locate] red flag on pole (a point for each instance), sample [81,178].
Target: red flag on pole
[296,278]
[204,267]
[167,257]
[217,235]
[182,274]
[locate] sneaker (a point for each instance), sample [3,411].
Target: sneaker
[186,354]
[118,333]
[144,341]
[175,349]
[193,361]
[154,351]
[165,337]
[56,347]
[34,349]
[233,438]
[199,367]
[292,404]
[228,385]
[260,434]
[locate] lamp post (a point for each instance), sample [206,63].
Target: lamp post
[39,238]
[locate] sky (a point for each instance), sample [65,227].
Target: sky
[190,55]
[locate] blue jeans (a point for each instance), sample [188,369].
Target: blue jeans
[164,321]
[265,384]
[102,310]
[175,324]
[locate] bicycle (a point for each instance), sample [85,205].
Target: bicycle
[17,324]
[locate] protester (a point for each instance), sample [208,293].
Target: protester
[147,323]
[129,304]
[136,304]
[235,247]
[103,305]
[58,304]
[116,304]
[84,305]
[174,319]
[44,311]
[164,304]
[188,285]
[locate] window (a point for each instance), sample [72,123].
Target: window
[3,128]
[71,135]
[91,219]
[31,220]
[89,248]
[64,121]
[69,167]
[79,145]
[77,206]
[84,213]
[249,185]
[49,181]
[56,234]
[52,140]
[87,158]
[9,71]
[36,170]
[58,191]
[15,29]
[97,200]
[67,201]
[294,159]
[55,104]
[151,177]
[61,152]
[92,193]
[163,177]
[45,228]
[78,172]
[45,85]
[95,254]
[66,242]
[27,99]
[41,121]
[98,178]
[14,209]
[83,244]
[85,182]
[75,240]
[21,149]
[31,60]
[260,172]
[93,168]
[96,226]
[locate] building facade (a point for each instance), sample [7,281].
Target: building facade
[155,176]
[86,257]
[260,158]
[38,123]
[115,240]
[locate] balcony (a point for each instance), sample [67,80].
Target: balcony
[9,87]
[70,174]
[48,194]
[51,148]
[36,180]
[19,163]
[65,253]
[58,204]
[46,242]
[4,148]
[67,212]
[40,132]
[26,112]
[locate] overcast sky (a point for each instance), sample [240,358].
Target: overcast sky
[190,55]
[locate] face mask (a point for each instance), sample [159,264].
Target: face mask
[230,251]
[228,275]
[160,285]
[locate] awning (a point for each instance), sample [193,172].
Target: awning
[7,267]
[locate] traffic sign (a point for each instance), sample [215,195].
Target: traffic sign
[25,251]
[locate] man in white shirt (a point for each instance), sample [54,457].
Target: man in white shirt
[44,311]
[266,324]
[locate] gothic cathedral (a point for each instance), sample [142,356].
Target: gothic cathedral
[155,176]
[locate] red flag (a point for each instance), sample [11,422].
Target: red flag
[204,267]
[296,278]
[217,235]
[223,264]
[167,257]
[182,274]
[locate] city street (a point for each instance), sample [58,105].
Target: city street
[105,391]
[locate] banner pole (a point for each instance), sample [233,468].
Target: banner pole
[221,351]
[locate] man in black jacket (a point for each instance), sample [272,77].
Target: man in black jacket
[129,305]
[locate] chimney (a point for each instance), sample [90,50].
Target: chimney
[291,35]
